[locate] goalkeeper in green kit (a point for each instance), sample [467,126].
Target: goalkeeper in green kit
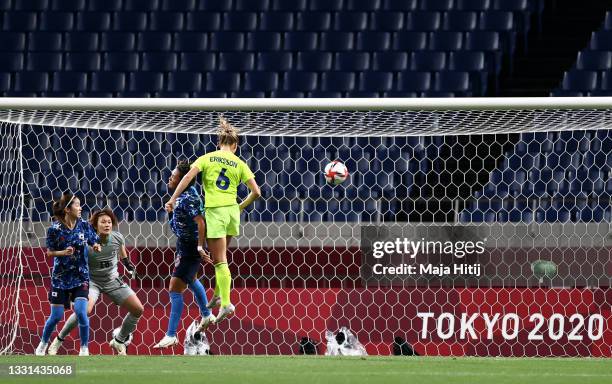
[222,172]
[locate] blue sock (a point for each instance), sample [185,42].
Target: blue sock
[57,313]
[80,308]
[176,311]
[200,295]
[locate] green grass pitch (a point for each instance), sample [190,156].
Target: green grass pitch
[317,369]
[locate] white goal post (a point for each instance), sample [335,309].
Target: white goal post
[527,180]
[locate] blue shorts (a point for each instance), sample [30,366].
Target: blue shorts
[187,261]
[65,296]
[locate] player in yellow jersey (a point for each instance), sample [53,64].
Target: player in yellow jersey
[222,172]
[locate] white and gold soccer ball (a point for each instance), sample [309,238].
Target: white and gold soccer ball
[335,172]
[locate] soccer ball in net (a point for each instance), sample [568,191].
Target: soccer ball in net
[335,172]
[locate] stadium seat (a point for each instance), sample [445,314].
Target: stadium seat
[108,5]
[408,41]
[336,41]
[594,60]
[141,5]
[178,5]
[337,81]
[375,81]
[80,41]
[203,21]
[293,6]
[445,41]
[154,41]
[19,21]
[413,81]
[252,5]
[93,21]
[198,61]
[5,81]
[121,61]
[159,61]
[107,82]
[80,61]
[56,21]
[260,81]
[496,21]
[423,21]
[314,61]
[11,62]
[287,94]
[239,21]
[473,5]
[117,41]
[274,61]
[313,21]
[300,41]
[300,81]
[236,61]
[435,5]
[460,21]
[263,41]
[67,5]
[350,21]
[45,41]
[387,21]
[482,41]
[428,61]
[351,61]
[276,21]
[44,61]
[130,21]
[466,61]
[579,80]
[166,21]
[222,81]
[373,41]
[12,41]
[145,82]
[325,5]
[190,41]
[227,41]
[601,41]
[31,81]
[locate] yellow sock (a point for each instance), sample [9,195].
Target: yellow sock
[224,282]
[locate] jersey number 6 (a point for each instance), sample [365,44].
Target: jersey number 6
[223,181]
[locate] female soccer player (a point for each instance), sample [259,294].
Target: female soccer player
[67,241]
[222,171]
[187,223]
[105,279]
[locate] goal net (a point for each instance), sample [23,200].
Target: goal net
[466,227]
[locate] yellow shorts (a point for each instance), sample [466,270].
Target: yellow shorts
[222,221]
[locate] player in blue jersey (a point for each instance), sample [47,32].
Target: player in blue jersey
[187,223]
[67,241]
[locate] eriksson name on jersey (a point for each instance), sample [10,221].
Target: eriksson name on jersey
[230,163]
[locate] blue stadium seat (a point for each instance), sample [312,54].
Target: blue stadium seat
[300,41]
[236,61]
[203,21]
[496,21]
[276,21]
[45,41]
[287,94]
[413,81]
[154,41]
[117,41]
[178,5]
[387,21]
[68,5]
[274,61]
[5,82]
[159,61]
[337,41]
[409,41]
[351,61]
[466,61]
[80,41]
[423,21]
[594,60]
[166,21]
[314,61]
[376,81]
[141,5]
[79,61]
[130,21]
[107,81]
[325,5]
[240,21]
[31,81]
[260,81]
[222,81]
[337,81]
[428,61]
[121,61]
[108,5]
[364,94]
[473,5]
[145,81]
[56,21]
[350,21]
[482,41]
[313,21]
[44,61]
[300,81]
[601,41]
[579,80]
[252,5]
[93,21]
[19,21]
[198,61]
[293,5]
[263,41]
[69,82]
[373,41]
[190,41]
[460,21]
[395,5]
[445,41]
[227,41]
[12,41]
[436,5]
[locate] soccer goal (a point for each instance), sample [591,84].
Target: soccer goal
[465,227]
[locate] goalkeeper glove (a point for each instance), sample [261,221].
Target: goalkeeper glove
[129,267]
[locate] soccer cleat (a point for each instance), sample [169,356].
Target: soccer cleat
[55,346]
[118,346]
[225,312]
[41,350]
[214,302]
[84,351]
[167,341]
[207,321]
